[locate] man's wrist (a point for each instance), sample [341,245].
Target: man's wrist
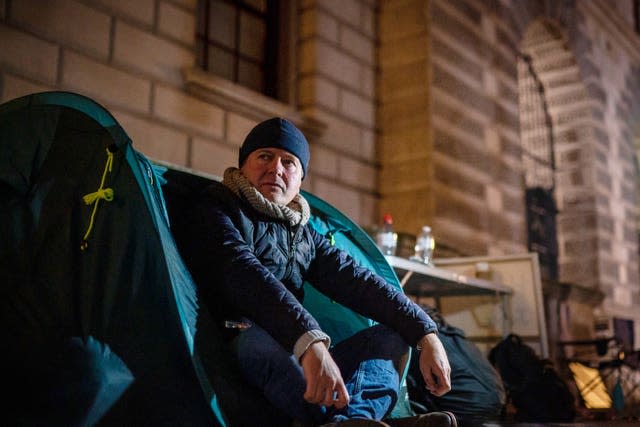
[309,338]
[424,340]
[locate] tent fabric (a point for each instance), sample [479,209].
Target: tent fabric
[116,318]
[112,333]
[336,320]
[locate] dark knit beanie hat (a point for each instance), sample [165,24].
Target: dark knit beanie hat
[276,133]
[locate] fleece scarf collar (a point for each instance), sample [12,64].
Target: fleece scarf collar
[297,212]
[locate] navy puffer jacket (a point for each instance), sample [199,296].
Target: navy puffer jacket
[250,265]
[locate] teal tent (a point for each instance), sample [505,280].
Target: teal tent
[99,314]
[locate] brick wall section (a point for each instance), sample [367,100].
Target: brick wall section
[66,22]
[405,145]
[597,179]
[127,56]
[14,87]
[336,86]
[101,81]
[176,23]
[140,12]
[616,182]
[154,139]
[29,56]
[449,132]
[569,106]
[149,54]
[457,169]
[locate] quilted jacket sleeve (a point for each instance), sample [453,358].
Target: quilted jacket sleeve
[337,275]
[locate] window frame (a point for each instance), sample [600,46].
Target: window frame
[278,58]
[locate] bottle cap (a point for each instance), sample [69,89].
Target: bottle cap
[387,218]
[426,228]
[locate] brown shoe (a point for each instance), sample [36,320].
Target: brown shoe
[432,419]
[357,422]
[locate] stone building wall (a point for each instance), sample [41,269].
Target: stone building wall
[450,134]
[336,81]
[129,57]
[610,66]
[404,144]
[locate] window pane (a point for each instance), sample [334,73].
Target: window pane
[259,5]
[252,37]
[221,62]
[250,75]
[222,24]
[201,53]
[201,17]
[239,39]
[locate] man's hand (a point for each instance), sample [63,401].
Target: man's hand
[434,365]
[325,386]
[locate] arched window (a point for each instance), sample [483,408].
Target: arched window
[536,132]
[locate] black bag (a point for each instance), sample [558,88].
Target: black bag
[533,386]
[477,393]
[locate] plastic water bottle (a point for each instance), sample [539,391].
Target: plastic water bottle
[386,239]
[425,244]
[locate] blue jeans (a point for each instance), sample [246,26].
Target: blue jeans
[368,362]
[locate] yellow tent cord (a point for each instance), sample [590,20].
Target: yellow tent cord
[94,199]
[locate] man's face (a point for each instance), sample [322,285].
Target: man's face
[276,173]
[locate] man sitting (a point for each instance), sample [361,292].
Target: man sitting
[257,250]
